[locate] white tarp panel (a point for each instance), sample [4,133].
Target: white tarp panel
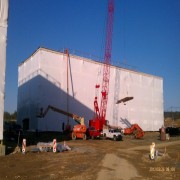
[3,36]
[146,108]
[43,81]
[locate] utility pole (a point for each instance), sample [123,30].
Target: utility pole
[67,75]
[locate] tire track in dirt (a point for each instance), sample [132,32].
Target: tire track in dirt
[116,168]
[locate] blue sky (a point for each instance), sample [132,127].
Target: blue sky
[146,35]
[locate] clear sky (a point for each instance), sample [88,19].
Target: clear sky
[146,35]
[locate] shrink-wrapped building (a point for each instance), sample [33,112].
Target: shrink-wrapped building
[49,77]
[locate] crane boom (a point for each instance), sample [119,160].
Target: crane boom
[107,61]
[96,124]
[78,119]
[79,130]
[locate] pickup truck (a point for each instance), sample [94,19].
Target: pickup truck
[114,134]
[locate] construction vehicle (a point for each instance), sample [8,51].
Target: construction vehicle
[99,121]
[134,130]
[111,133]
[96,124]
[79,130]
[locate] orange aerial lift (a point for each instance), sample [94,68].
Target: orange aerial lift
[134,129]
[79,130]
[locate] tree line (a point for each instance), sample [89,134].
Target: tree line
[13,116]
[10,116]
[174,115]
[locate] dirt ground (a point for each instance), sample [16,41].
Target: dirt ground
[98,159]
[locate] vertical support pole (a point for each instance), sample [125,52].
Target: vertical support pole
[116,97]
[67,53]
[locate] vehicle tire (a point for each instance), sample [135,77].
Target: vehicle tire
[115,138]
[92,137]
[104,136]
[85,137]
[119,137]
[73,136]
[135,131]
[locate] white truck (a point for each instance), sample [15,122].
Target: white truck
[114,134]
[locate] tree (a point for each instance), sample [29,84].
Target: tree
[14,115]
[7,116]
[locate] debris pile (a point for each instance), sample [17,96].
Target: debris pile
[49,147]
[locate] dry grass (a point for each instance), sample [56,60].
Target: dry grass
[169,122]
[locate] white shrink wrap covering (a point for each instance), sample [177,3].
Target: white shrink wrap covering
[43,81]
[3,36]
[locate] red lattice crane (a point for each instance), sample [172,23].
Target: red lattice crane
[100,114]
